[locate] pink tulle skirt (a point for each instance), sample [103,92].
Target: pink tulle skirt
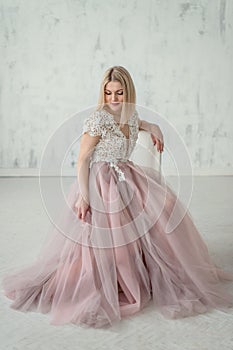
[137,243]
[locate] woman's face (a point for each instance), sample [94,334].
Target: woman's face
[113,93]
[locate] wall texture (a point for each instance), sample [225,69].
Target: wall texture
[54,53]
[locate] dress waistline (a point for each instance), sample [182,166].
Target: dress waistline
[113,164]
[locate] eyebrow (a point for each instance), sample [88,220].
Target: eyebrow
[111,91]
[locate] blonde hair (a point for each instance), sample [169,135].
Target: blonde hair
[120,74]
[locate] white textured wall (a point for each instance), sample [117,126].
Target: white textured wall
[54,53]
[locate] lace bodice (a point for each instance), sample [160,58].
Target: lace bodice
[113,145]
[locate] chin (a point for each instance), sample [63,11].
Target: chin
[116,107]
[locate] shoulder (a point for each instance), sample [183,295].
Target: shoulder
[137,118]
[134,115]
[93,123]
[96,115]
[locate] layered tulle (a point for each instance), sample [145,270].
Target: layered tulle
[93,273]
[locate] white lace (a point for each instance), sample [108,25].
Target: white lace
[113,145]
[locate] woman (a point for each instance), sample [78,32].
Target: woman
[118,253]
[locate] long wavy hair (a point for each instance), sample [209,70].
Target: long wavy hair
[120,74]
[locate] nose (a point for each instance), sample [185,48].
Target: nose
[114,97]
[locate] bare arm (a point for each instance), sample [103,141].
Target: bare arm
[154,130]
[87,146]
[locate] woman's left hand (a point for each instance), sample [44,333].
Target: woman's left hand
[157,137]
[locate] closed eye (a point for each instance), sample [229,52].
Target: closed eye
[109,93]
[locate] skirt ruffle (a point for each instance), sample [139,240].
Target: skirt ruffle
[93,273]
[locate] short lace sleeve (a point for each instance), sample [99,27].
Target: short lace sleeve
[93,124]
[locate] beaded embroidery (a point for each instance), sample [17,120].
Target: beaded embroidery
[113,145]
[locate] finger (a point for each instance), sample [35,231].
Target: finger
[83,214]
[157,143]
[79,214]
[160,146]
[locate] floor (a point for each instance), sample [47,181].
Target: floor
[24,225]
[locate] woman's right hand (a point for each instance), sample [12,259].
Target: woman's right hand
[82,207]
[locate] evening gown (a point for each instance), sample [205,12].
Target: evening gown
[137,244]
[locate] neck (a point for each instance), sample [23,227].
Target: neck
[114,113]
